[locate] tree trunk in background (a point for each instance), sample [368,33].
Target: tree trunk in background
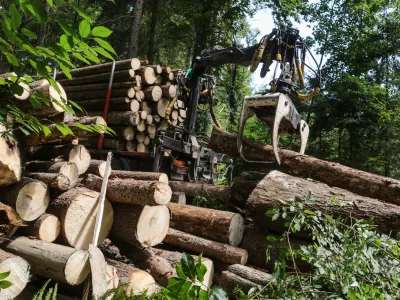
[152,34]
[133,48]
[43,28]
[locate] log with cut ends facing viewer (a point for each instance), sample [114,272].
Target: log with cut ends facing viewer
[30,198]
[50,260]
[141,226]
[45,228]
[277,187]
[333,174]
[77,210]
[216,225]
[223,252]
[19,270]
[131,191]
[10,160]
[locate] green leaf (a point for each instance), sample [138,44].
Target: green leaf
[2,81]
[217,293]
[201,268]
[74,104]
[15,17]
[24,131]
[175,284]
[91,56]
[46,130]
[80,57]
[66,28]
[101,31]
[103,52]
[4,284]
[275,217]
[270,213]
[64,42]
[182,294]
[83,127]
[309,212]
[188,266]
[64,129]
[38,10]
[179,271]
[84,28]
[105,45]
[203,295]
[82,12]
[3,42]
[28,33]
[50,2]
[193,292]
[4,275]
[12,59]
[36,103]
[271,239]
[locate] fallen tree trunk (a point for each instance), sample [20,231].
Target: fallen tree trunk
[30,198]
[333,174]
[278,187]
[10,160]
[192,190]
[223,252]
[141,226]
[68,169]
[137,280]
[77,210]
[132,191]
[217,225]
[45,228]
[244,186]
[178,198]
[50,260]
[55,181]
[19,270]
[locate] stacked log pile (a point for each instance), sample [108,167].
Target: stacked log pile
[140,96]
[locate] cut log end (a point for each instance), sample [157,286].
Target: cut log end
[236,230]
[19,276]
[49,229]
[77,267]
[81,157]
[153,225]
[140,281]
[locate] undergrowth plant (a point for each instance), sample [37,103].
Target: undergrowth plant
[348,258]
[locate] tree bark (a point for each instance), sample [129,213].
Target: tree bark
[153,93]
[147,74]
[55,181]
[121,118]
[68,169]
[153,32]
[178,198]
[10,160]
[96,94]
[19,270]
[229,281]
[223,252]
[108,143]
[45,228]
[168,91]
[251,274]
[243,186]
[216,225]
[50,260]
[102,86]
[131,191]
[277,187]
[77,211]
[97,167]
[141,226]
[333,174]
[133,47]
[119,76]
[192,190]
[144,176]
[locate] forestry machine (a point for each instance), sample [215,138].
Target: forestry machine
[181,146]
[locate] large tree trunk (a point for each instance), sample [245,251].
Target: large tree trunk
[333,174]
[30,198]
[217,225]
[10,161]
[50,260]
[223,252]
[191,190]
[243,187]
[45,228]
[19,270]
[77,211]
[278,187]
[141,226]
[133,48]
[153,33]
[137,280]
[68,169]
[132,191]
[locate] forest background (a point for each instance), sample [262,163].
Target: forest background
[354,121]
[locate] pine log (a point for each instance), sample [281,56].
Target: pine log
[147,74]
[151,130]
[132,191]
[145,106]
[131,146]
[141,126]
[146,141]
[143,115]
[230,281]
[108,143]
[153,93]
[156,118]
[124,75]
[161,106]
[141,226]
[19,270]
[192,190]
[140,137]
[10,160]
[140,95]
[180,103]
[10,221]
[26,91]
[116,104]
[53,180]
[77,154]
[256,276]
[50,260]
[120,118]
[159,80]
[168,91]
[223,252]
[243,186]
[178,198]
[142,148]
[77,210]
[97,167]
[97,94]
[137,280]
[149,119]
[168,77]
[333,174]
[277,187]
[126,133]
[216,225]
[174,115]
[68,169]
[101,86]
[30,198]
[145,176]
[45,228]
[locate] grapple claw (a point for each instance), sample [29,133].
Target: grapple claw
[246,113]
[282,110]
[304,132]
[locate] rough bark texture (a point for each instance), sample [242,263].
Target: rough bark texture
[144,176]
[55,181]
[133,48]
[96,94]
[116,104]
[68,169]
[229,281]
[132,191]
[97,167]
[45,228]
[10,161]
[333,174]
[217,225]
[191,190]
[251,274]
[121,76]
[141,226]
[108,143]
[244,186]
[278,187]
[178,198]
[223,252]
[50,260]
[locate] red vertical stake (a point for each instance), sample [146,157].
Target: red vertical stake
[107,104]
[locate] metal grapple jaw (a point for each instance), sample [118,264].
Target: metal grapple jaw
[279,113]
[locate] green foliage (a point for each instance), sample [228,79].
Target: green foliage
[4,284]
[348,258]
